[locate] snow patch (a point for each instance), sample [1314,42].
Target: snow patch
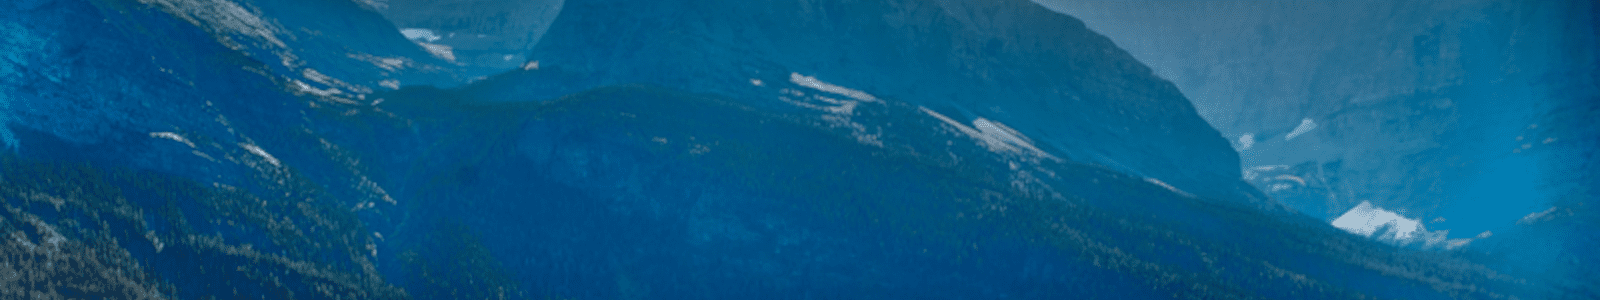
[425,38]
[1365,219]
[172,136]
[1277,187]
[302,87]
[812,82]
[1368,220]
[376,4]
[259,152]
[1169,187]
[318,77]
[334,83]
[1535,217]
[1306,125]
[839,111]
[1253,172]
[440,51]
[994,135]
[996,131]
[530,65]
[1269,168]
[222,17]
[1287,177]
[1246,141]
[420,35]
[390,83]
[385,63]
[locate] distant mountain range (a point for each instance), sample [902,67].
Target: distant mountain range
[671,149]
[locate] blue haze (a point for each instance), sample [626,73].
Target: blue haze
[1436,108]
[693,149]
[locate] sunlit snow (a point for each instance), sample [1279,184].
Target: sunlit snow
[812,82]
[419,34]
[994,135]
[172,136]
[441,51]
[1306,125]
[1367,220]
[260,152]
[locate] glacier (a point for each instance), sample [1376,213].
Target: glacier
[706,149]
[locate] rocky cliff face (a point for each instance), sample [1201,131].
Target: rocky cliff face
[488,37]
[161,149]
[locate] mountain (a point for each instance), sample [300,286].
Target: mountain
[194,167]
[1460,116]
[329,47]
[157,155]
[1446,110]
[1013,62]
[644,191]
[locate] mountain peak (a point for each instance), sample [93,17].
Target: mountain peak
[1012,61]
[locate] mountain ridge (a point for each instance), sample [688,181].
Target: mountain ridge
[1058,83]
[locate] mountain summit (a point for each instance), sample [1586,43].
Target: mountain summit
[1013,62]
